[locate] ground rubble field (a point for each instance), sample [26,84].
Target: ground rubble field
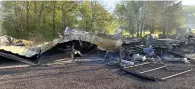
[83,74]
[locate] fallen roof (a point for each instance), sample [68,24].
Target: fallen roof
[21,50]
[103,42]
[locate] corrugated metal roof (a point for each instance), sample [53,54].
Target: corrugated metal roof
[104,42]
[21,50]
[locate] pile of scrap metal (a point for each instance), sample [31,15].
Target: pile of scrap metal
[78,41]
[132,40]
[148,61]
[15,49]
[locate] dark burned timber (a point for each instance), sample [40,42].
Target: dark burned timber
[153,71]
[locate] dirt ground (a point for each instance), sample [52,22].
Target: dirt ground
[85,74]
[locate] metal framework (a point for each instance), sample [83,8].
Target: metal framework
[138,71]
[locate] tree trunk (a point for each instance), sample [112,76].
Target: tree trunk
[145,27]
[164,30]
[41,12]
[16,21]
[132,28]
[44,23]
[35,15]
[92,14]
[152,29]
[54,16]
[35,10]
[142,27]
[63,17]
[138,29]
[27,16]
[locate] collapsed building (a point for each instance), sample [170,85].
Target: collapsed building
[143,59]
[81,41]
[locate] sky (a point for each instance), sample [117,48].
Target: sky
[110,4]
[188,2]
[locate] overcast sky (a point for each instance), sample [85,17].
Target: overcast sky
[188,2]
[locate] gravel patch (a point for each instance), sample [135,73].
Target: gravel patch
[59,74]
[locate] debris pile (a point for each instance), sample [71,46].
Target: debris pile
[143,57]
[145,60]
[77,41]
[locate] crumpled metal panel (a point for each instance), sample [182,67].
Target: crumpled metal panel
[6,45]
[6,40]
[161,42]
[21,50]
[48,45]
[103,41]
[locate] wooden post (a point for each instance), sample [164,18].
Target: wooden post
[105,56]
[120,56]
[72,51]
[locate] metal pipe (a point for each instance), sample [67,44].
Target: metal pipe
[153,69]
[176,74]
[139,64]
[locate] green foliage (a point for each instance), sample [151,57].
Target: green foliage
[93,17]
[189,10]
[27,19]
[111,28]
[140,16]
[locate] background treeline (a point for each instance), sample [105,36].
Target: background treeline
[30,19]
[43,20]
[153,16]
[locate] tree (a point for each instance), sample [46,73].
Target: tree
[155,15]
[28,19]
[93,16]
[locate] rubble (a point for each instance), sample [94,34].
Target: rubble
[127,63]
[133,55]
[174,59]
[154,54]
[6,40]
[138,57]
